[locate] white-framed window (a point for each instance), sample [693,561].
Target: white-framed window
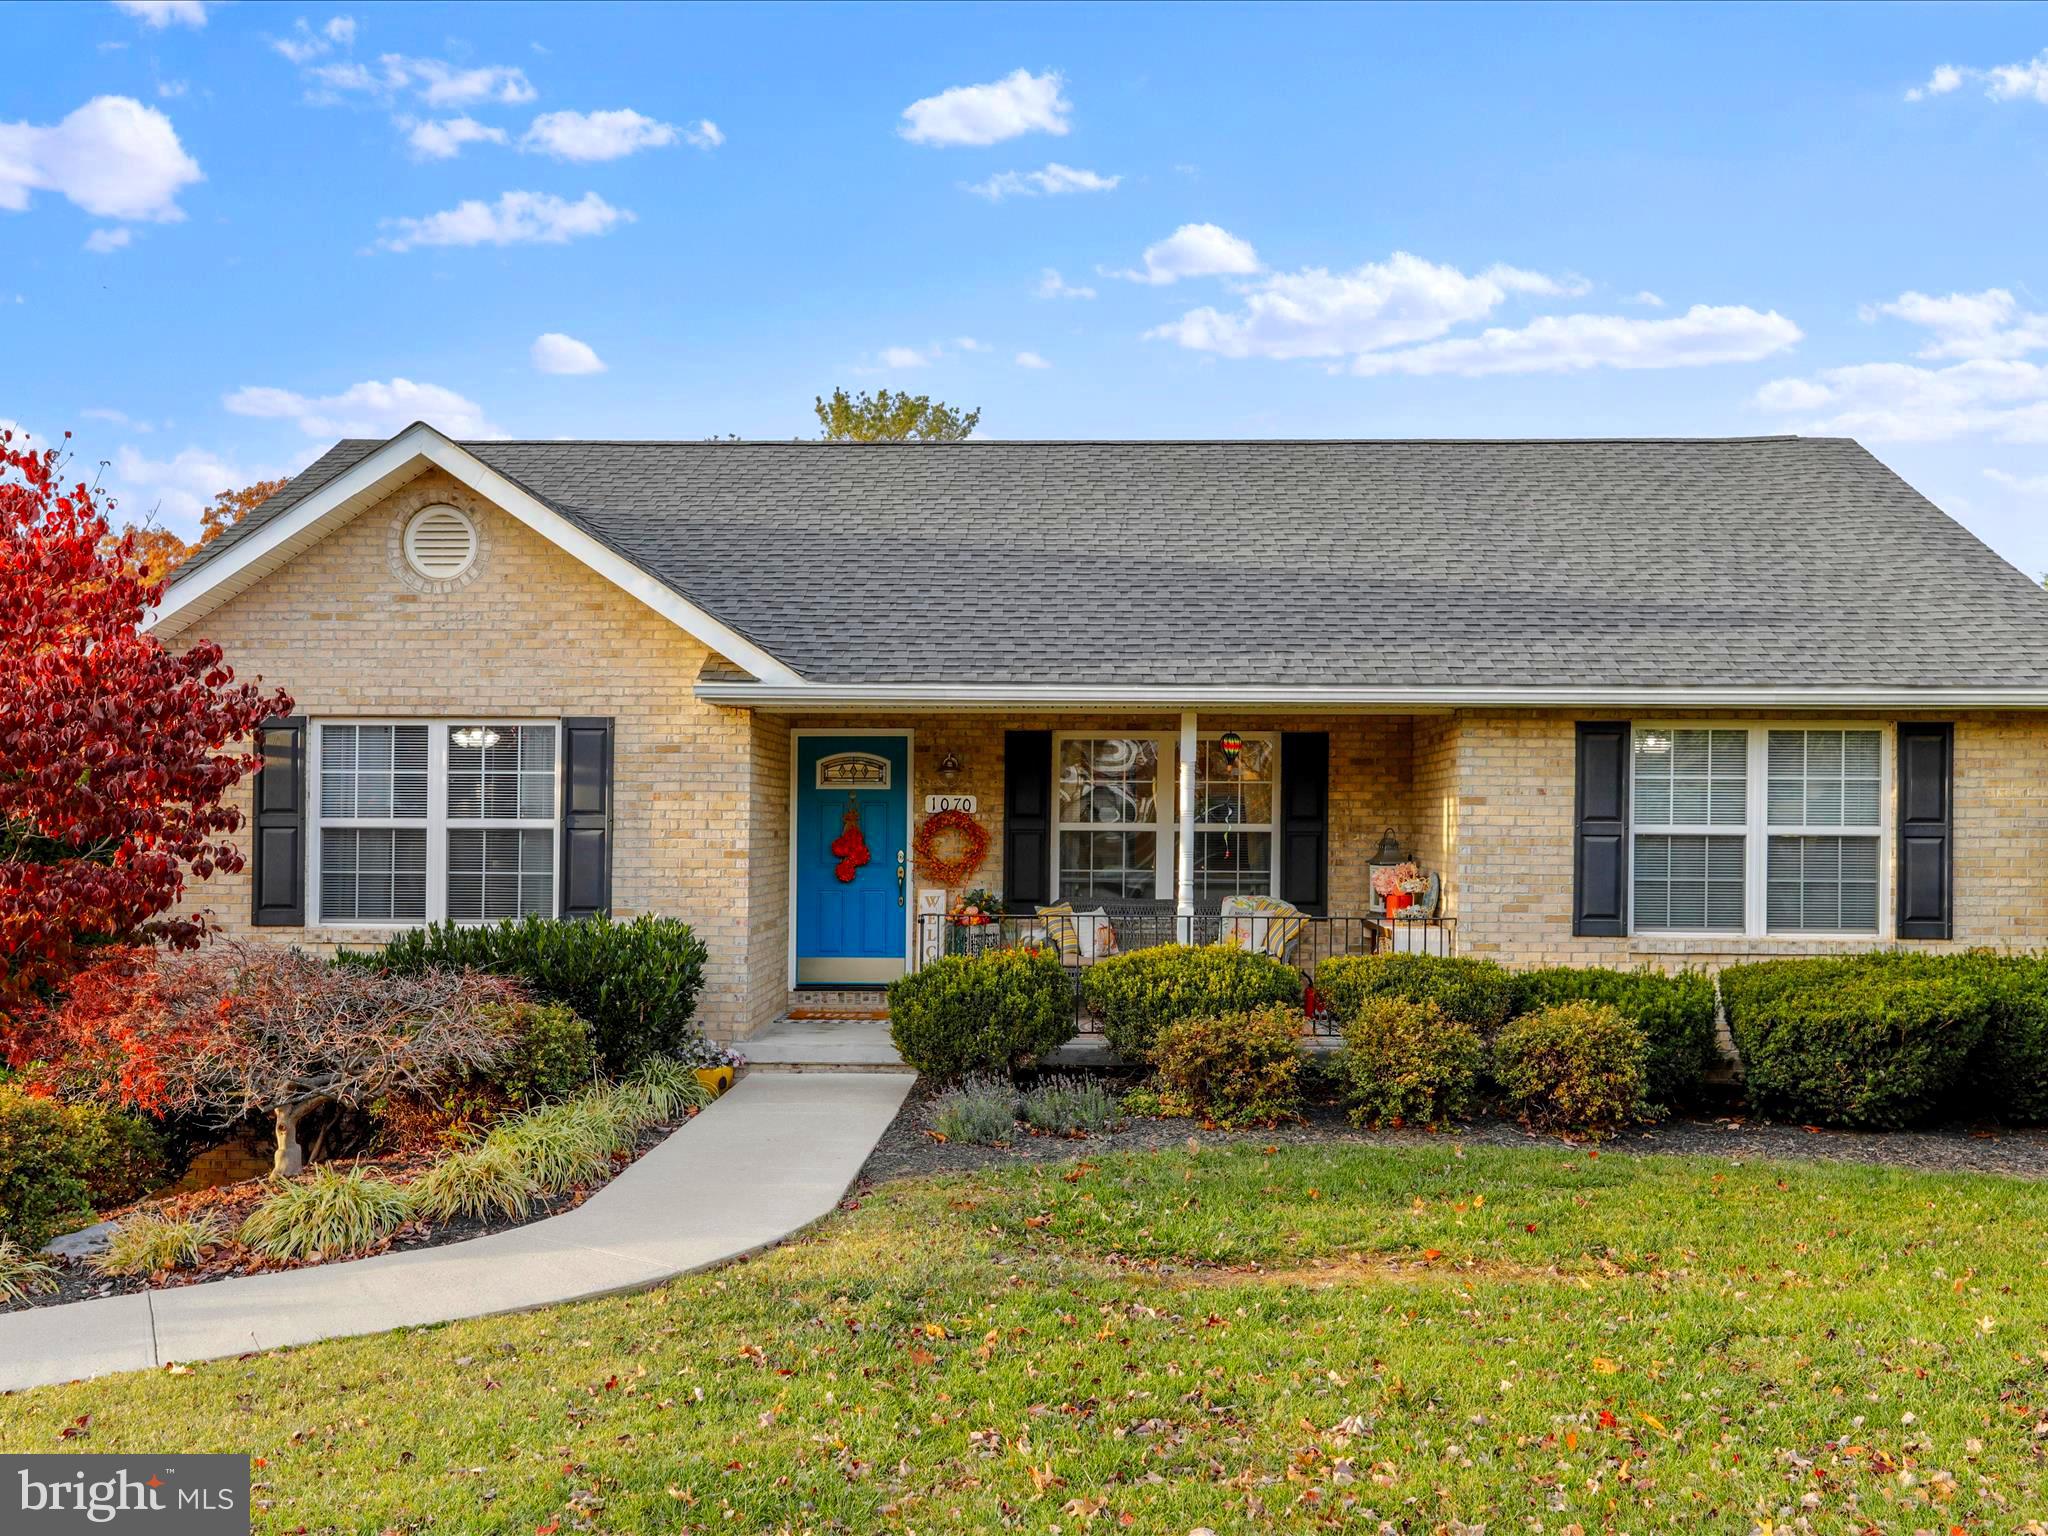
[419,821]
[1759,829]
[1115,806]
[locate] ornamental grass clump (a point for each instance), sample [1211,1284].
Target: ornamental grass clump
[1573,1067]
[478,1182]
[1404,1063]
[567,1144]
[152,1242]
[1138,994]
[1067,1106]
[1232,1068]
[326,1214]
[23,1273]
[981,1111]
[664,1090]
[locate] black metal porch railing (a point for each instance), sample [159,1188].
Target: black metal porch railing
[1119,932]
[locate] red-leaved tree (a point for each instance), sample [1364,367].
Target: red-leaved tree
[240,1029]
[116,753]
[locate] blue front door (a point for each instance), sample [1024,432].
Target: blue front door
[851,923]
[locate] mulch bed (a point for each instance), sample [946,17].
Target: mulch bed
[79,1281]
[907,1151]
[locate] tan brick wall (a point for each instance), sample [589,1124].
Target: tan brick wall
[534,632]
[1514,808]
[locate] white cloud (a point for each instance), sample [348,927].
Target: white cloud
[1195,250]
[162,13]
[1645,298]
[969,344]
[113,157]
[1987,387]
[118,418]
[1317,313]
[587,136]
[305,45]
[2024,81]
[908,357]
[1031,360]
[517,218]
[102,242]
[341,30]
[434,82]
[1966,325]
[1704,335]
[704,134]
[171,90]
[443,138]
[1054,180]
[557,353]
[2026,485]
[1052,286]
[1019,103]
[370,409]
[176,490]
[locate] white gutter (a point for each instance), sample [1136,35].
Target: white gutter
[858,696]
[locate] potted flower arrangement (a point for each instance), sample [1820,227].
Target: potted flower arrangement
[1399,885]
[976,909]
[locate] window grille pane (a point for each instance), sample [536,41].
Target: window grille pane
[1785,801]
[1825,778]
[499,873]
[1824,803]
[373,874]
[1653,801]
[1730,802]
[1786,755]
[1691,778]
[1688,802]
[1233,863]
[1108,866]
[1822,885]
[501,773]
[1690,754]
[1862,752]
[1688,882]
[373,772]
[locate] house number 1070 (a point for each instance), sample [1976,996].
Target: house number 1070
[936,803]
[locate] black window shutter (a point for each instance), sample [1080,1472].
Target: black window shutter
[586,817]
[1027,819]
[1305,819]
[1926,830]
[277,865]
[1600,851]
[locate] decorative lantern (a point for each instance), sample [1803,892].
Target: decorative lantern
[1389,850]
[1231,746]
[949,770]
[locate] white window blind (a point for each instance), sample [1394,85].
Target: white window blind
[1825,815]
[1691,808]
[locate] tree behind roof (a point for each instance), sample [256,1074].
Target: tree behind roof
[892,418]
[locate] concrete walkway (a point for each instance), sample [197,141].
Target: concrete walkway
[771,1157]
[863,1045]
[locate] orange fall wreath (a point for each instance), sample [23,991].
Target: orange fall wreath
[950,847]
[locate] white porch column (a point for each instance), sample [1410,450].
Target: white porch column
[1184,841]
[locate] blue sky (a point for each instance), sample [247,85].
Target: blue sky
[230,233]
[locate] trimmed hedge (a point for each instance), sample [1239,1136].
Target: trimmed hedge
[1475,992]
[1574,1066]
[1675,1014]
[1135,995]
[1866,1040]
[1232,1068]
[1403,1061]
[61,1162]
[635,983]
[981,1013]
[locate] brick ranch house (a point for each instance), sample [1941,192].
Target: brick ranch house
[1630,701]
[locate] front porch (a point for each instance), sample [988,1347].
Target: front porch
[1148,828]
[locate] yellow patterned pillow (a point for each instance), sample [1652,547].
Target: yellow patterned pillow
[1278,925]
[1062,931]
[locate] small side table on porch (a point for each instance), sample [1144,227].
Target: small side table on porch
[1411,935]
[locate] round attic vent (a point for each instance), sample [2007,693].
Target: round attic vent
[440,543]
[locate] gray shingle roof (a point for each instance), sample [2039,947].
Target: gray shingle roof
[1626,563]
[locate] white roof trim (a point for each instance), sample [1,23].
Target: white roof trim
[1364,700]
[402,459]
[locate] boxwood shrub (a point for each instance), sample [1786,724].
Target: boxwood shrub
[1475,992]
[1867,1040]
[981,1013]
[2010,1068]
[1675,1014]
[61,1162]
[1232,1068]
[1404,1062]
[1575,1066]
[635,983]
[1137,994]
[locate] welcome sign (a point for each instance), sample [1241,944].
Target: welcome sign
[50,1495]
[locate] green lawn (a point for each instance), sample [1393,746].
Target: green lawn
[1529,1340]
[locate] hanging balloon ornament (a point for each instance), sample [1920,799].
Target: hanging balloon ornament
[950,847]
[850,848]
[1231,746]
